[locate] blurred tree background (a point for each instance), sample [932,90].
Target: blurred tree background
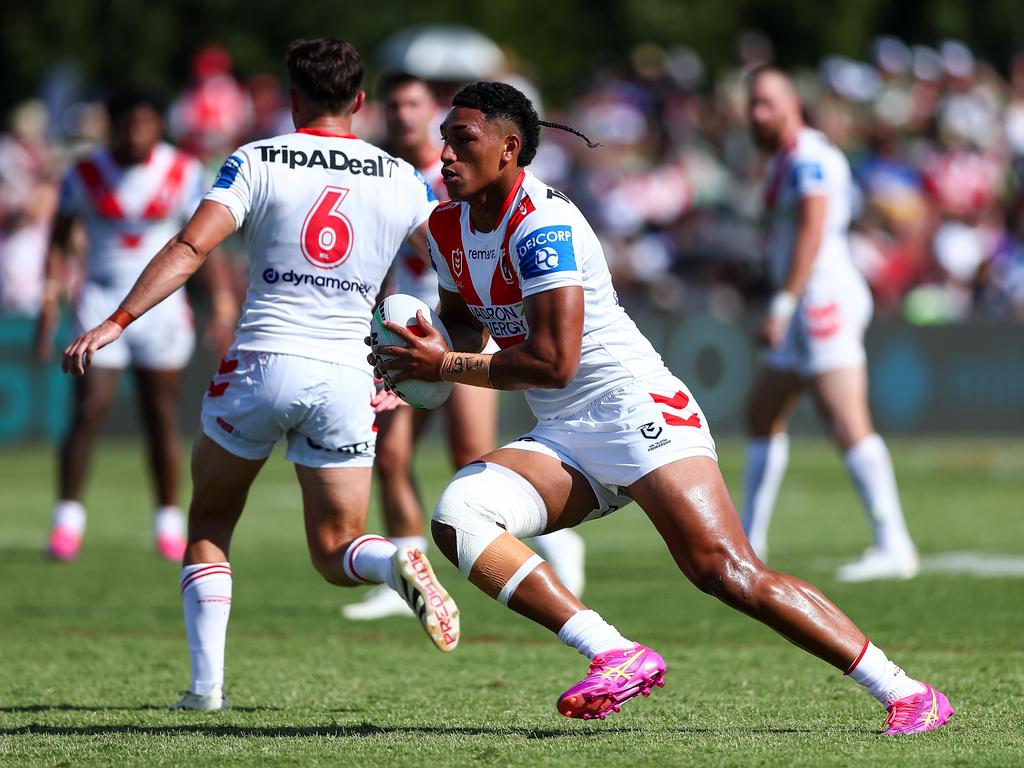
[109,41]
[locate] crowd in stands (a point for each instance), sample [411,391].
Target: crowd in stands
[935,137]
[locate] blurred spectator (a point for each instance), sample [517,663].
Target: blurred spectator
[934,134]
[28,198]
[210,117]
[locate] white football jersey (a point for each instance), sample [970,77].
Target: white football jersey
[811,165]
[323,216]
[411,275]
[541,242]
[130,212]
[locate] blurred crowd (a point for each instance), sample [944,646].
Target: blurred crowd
[935,137]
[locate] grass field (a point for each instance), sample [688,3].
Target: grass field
[91,654]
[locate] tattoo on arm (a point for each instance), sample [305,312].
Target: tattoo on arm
[467,368]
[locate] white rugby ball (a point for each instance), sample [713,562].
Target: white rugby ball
[401,309]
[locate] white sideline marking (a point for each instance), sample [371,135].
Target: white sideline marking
[981,564]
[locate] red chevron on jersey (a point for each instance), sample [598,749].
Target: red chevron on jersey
[446,228]
[167,194]
[100,194]
[505,287]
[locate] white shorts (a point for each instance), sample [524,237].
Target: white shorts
[256,398]
[827,330]
[625,435]
[162,339]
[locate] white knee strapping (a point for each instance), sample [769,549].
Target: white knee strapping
[521,573]
[484,501]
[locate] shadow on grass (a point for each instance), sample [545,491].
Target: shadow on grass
[365,730]
[29,708]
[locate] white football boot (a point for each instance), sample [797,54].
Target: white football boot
[215,700]
[416,583]
[380,602]
[880,564]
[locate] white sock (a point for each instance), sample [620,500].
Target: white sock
[69,514]
[767,458]
[883,679]
[420,542]
[368,560]
[206,599]
[563,550]
[591,635]
[870,468]
[169,521]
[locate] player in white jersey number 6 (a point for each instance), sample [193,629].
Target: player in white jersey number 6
[614,425]
[323,214]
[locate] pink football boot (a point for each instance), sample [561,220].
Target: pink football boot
[64,543]
[171,546]
[614,677]
[918,712]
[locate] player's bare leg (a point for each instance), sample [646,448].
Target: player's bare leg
[842,399]
[771,401]
[93,394]
[472,414]
[220,485]
[334,505]
[480,521]
[690,506]
[335,502]
[159,392]
[400,504]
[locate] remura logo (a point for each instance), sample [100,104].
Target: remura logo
[272,276]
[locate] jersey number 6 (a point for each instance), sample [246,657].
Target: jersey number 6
[327,236]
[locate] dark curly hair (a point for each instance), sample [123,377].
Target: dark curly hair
[500,101]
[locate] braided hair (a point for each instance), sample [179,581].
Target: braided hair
[502,101]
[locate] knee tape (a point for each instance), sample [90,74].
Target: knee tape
[490,507]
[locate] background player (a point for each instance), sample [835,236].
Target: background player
[471,422]
[323,214]
[815,332]
[131,198]
[614,425]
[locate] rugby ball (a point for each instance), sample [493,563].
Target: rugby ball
[400,308]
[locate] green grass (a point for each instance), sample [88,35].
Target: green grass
[92,653]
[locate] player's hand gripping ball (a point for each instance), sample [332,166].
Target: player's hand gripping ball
[401,309]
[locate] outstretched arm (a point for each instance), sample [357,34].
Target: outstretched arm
[166,273]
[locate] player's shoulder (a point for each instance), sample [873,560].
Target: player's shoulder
[89,162]
[171,155]
[814,146]
[542,205]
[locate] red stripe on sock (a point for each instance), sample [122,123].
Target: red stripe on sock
[350,557]
[210,570]
[859,657]
[189,582]
[204,569]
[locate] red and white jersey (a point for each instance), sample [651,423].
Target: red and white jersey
[323,217]
[411,275]
[810,166]
[130,212]
[542,242]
